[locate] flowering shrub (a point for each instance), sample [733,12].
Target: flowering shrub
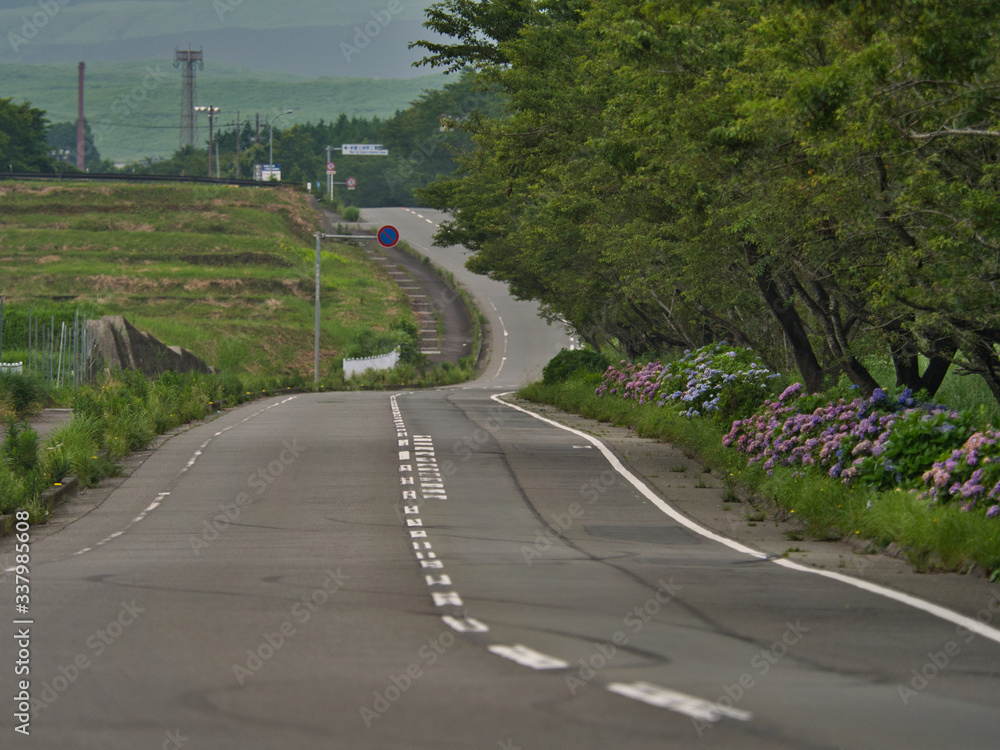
[714,379]
[970,474]
[878,441]
[637,382]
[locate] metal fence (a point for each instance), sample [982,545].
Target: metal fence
[58,352]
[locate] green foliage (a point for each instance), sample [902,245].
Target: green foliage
[20,395]
[351,213]
[16,490]
[19,450]
[62,141]
[814,180]
[22,138]
[402,335]
[569,363]
[918,439]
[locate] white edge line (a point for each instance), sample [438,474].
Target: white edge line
[971,624]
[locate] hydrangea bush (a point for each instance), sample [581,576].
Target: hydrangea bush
[879,441]
[639,382]
[970,474]
[883,442]
[714,380]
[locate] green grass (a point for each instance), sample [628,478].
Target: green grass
[939,537]
[227,273]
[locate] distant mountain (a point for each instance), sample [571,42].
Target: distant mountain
[133,108]
[340,38]
[322,58]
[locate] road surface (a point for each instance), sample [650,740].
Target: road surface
[437,569]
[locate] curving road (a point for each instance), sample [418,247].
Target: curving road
[437,569]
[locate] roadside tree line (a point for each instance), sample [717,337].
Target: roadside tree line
[815,179]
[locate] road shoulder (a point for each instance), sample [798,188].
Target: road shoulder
[698,493]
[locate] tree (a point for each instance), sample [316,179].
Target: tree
[22,138]
[62,141]
[816,178]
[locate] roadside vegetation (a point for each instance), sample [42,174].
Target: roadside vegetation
[226,273]
[816,181]
[893,468]
[115,415]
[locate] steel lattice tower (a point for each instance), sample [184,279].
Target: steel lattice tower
[188,58]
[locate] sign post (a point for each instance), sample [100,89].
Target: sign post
[350,149]
[387,236]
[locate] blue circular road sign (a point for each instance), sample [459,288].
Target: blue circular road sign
[388,236]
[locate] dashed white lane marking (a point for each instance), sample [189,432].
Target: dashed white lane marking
[696,708]
[503,356]
[191,462]
[528,657]
[149,509]
[419,464]
[972,624]
[465,624]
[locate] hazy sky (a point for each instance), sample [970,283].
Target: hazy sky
[355,38]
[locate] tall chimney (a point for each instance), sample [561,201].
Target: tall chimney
[81,145]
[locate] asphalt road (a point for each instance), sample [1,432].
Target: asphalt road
[440,570]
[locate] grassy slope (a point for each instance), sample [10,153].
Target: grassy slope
[136,105]
[224,272]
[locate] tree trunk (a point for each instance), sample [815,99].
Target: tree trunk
[906,362]
[788,318]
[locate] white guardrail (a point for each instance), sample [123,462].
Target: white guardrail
[14,368]
[381,362]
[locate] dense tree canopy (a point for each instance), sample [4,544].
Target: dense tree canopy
[422,141]
[22,138]
[816,179]
[61,138]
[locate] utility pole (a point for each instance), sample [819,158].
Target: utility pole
[81,141]
[211,112]
[329,177]
[239,133]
